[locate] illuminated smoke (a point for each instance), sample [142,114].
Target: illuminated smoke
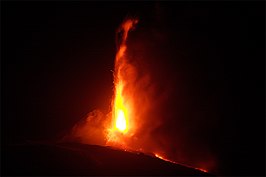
[140,111]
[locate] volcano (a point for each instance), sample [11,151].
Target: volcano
[80,159]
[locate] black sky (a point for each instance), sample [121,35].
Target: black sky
[57,59]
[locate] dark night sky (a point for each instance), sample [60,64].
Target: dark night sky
[57,59]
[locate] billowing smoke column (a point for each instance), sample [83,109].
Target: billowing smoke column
[137,112]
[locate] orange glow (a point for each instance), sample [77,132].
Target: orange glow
[160,157]
[120,110]
[121,121]
[121,106]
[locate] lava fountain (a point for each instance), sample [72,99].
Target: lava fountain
[122,105]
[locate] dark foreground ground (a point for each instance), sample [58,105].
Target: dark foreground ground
[79,159]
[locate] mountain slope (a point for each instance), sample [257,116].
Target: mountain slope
[81,159]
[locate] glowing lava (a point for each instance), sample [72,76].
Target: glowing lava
[161,157]
[121,121]
[120,109]
[158,156]
[201,169]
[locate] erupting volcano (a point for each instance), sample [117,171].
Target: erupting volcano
[132,88]
[132,107]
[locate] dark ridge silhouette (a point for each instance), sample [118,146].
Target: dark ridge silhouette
[80,159]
